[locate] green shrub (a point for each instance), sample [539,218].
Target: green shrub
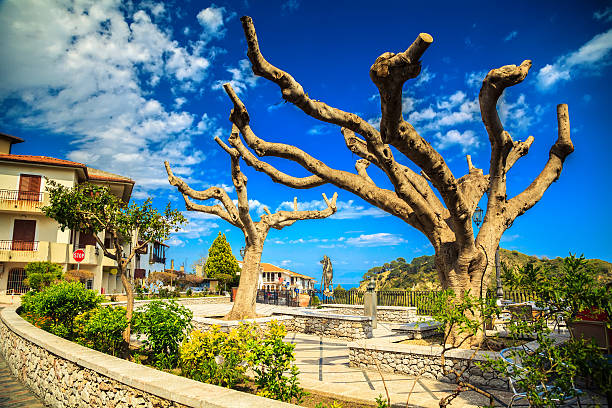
[164,325]
[102,329]
[216,357]
[61,303]
[42,274]
[270,357]
[314,300]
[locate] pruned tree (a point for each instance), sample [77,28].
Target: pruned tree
[463,261]
[94,209]
[238,215]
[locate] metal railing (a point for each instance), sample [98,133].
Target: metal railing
[277,297]
[12,245]
[19,195]
[422,300]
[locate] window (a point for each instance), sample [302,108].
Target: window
[29,187]
[15,281]
[89,284]
[24,233]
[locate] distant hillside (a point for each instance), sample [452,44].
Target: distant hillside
[420,274]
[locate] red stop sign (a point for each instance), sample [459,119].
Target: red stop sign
[78,255]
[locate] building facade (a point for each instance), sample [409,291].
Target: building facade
[27,235]
[272,277]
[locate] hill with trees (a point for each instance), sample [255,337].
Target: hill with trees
[420,273]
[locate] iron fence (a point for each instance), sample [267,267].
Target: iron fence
[277,297]
[422,300]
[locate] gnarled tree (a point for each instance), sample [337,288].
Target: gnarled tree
[463,261]
[255,233]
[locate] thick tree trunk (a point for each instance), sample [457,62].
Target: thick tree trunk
[129,291]
[244,304]
[464,272]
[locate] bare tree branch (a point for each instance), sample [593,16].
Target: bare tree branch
[558,152]
[362,169]
[282,219]
[212,192]
[276,175]
[519,149]
[348,181]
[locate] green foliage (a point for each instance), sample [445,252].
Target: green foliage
[381,402]
[216,357]
[339,291]
[60,303]
[164,325]
[42,274]
[102,329]
[334,404]
[562,292]
[221,263]
[270,358]
[315,301]
[420,273]
[461,314]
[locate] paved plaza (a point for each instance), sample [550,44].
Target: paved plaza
[324,369]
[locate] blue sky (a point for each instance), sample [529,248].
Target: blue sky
[122,86]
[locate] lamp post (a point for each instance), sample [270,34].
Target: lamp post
[477,218]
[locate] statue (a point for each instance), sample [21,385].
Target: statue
[328,273]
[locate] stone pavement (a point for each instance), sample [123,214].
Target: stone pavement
[13,394]
[324,369]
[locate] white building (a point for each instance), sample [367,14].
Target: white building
[272,277]
[27,235]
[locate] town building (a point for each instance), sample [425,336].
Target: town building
[27,235]
[272,277]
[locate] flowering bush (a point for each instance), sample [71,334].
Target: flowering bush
[216,357]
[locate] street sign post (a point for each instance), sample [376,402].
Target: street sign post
[78,256]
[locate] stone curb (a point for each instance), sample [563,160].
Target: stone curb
[381,345]
[158,383]
[340,305]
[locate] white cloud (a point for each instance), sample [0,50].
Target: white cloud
[474,79]
[375,240]
[87,71]
[320,130]
[589,58]
[254,206]
[175,242]
[467,140]
[242,77]
[511,36]
[515,115]
[212,19]
[424,77]
[346,209]
[290,5]
[604,15]
[198,225]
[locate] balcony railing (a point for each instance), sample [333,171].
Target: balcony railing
[17,195]
[11,245]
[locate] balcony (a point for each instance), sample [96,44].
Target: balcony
[23,251]
[22,201]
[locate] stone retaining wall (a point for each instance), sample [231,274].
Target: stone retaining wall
[417,360]
[64,374]
[308,322]
[399,314]
[329,325]
[182,301]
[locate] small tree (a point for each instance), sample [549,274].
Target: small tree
[221,263]
[238,215]
[42,274]
[93,209]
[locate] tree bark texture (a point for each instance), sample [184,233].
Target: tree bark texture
[464,260]
[238,215]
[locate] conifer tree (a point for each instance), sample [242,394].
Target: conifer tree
[221,263]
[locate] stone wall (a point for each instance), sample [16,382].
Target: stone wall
[398,314]
[183,301]
[327,325]
[64,374]
[417,360]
